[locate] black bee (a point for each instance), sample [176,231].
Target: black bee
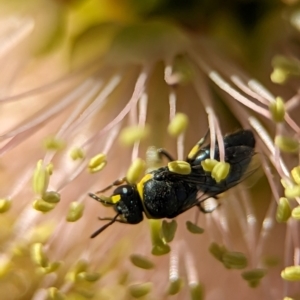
[166,194]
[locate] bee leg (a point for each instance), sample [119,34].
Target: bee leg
[205,210]
[110,219]
[115,183]
[165,153]
[101,199]
[203,139]
[101,229]
[195,150]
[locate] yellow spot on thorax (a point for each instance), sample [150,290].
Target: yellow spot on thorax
[140,185]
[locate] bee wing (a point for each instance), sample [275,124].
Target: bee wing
[242,166]
[239,152]
[194,200]
[207,190]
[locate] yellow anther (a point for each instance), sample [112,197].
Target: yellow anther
[80,266]
[292,191]
[40,178]
[283,212]
[53,143]
[158,245]
[132,134]
[296,213]
[140,290]
[52,267]
[296,174]
[284,67]
[51,197]
[178,124]
[168,230]
[136,170]
[277,110]
[141,262]
[287,144]
[155,226]
[220,171]
[175,286]
[254,274]
[179,167]
[55,294]
[97,163]
[89,276]
[5,205]
[208,164]
[50,168]
[38,255]
[284,183]
[42,205]
[217,251]
[253,277]
[279,76]
[196,291]
[193,228]
[234,260]
[77,153]
[5,266]
[75,211]
[291,273]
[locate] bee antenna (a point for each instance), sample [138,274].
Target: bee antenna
[113,220]
[95,197]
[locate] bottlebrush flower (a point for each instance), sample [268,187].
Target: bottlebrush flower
[87,88]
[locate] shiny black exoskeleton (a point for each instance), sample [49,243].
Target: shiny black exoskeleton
[165,194]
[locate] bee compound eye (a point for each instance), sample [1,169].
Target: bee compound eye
[123,190]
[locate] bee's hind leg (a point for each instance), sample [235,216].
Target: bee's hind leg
[165,153]
[206,209]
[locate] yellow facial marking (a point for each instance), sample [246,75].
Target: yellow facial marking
[115,198]
[140,185]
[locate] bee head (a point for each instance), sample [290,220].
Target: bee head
[129,204]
